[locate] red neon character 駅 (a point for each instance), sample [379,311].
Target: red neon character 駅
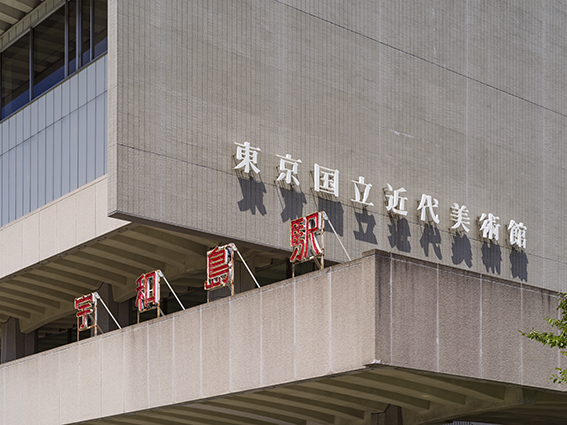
[303,238]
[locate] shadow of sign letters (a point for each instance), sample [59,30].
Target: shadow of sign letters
[462,250]
[431,236]
[335,212]
[491,257]
[292,202]
[519,261]
[365,220]
[252,196]
[399,234]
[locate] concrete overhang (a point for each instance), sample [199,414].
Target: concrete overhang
[354,398]
[70,247]
[12,11]
[330,347]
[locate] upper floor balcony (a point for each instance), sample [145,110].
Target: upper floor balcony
[51,47]
[53,128]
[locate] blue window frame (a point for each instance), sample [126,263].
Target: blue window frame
[62,43]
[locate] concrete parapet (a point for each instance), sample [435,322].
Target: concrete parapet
[378,311]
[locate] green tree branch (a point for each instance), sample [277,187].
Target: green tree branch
[558,340]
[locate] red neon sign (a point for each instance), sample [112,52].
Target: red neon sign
[86,306]
[304,238]
[220,265]
[147,291]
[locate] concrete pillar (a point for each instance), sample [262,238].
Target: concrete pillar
[391,416]
[217,294]
[31,343]
[121,311]
[245,281]
[14,344]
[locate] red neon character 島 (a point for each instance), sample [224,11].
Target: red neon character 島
[220,264]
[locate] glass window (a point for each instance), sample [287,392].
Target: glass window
[86,23]
[49,52]
[100,27]
[86,31]
[72,13]
[16,76]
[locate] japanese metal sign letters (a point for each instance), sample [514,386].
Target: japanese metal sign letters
[220,268]
[306,239]
[326,182]
[148,292]
[87,314]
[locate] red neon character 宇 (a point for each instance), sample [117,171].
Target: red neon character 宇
[86,306]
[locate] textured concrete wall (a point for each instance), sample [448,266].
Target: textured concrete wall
[377,309]
[463,101]
[441,319]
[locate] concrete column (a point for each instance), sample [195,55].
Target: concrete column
[245,281]
[391,416]
[121,311]
[217,294]
[14,344]
[31,343]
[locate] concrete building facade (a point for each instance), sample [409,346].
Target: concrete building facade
[431,135]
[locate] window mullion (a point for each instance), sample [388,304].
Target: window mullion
[2,90]
[92,28]
[31,58]
[79,33]
[66,63]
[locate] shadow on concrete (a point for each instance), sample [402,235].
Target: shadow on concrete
[292,202]
[335,212]
[399,234]
[367,220]
[431,236]
[519,262]
[252,196]
[462,250]
[491,257]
